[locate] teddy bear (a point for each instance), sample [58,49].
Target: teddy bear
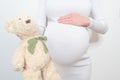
[32,55]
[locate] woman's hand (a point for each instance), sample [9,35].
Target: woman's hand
[74,19]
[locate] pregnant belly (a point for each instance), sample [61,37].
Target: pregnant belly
[66,43]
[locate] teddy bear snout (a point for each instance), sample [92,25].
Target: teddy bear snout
[28,21]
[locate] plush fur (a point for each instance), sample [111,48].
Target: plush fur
[30,64]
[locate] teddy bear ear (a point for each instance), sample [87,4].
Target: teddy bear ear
[8,25]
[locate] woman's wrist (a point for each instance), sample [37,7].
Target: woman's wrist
[90,23]
[87,22]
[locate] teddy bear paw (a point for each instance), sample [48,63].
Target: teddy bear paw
[18,67]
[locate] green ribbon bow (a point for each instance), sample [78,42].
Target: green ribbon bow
[32,44]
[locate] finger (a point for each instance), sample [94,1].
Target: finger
[65,17]
[66,21]
[68,15]
[63,20]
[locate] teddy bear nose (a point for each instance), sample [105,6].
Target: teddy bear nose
[28,21]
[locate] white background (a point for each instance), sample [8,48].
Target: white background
[104,50]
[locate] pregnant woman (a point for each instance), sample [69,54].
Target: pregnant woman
[66,24]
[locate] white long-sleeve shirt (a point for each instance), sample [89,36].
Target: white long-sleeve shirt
[67,42]
[51,9]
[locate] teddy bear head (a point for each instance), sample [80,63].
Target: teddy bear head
[23,26]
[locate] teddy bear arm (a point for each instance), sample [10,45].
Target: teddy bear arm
[18,58]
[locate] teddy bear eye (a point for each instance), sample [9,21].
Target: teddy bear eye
[19,18]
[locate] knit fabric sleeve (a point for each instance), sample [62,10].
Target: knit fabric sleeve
[97,20]
[41,16]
